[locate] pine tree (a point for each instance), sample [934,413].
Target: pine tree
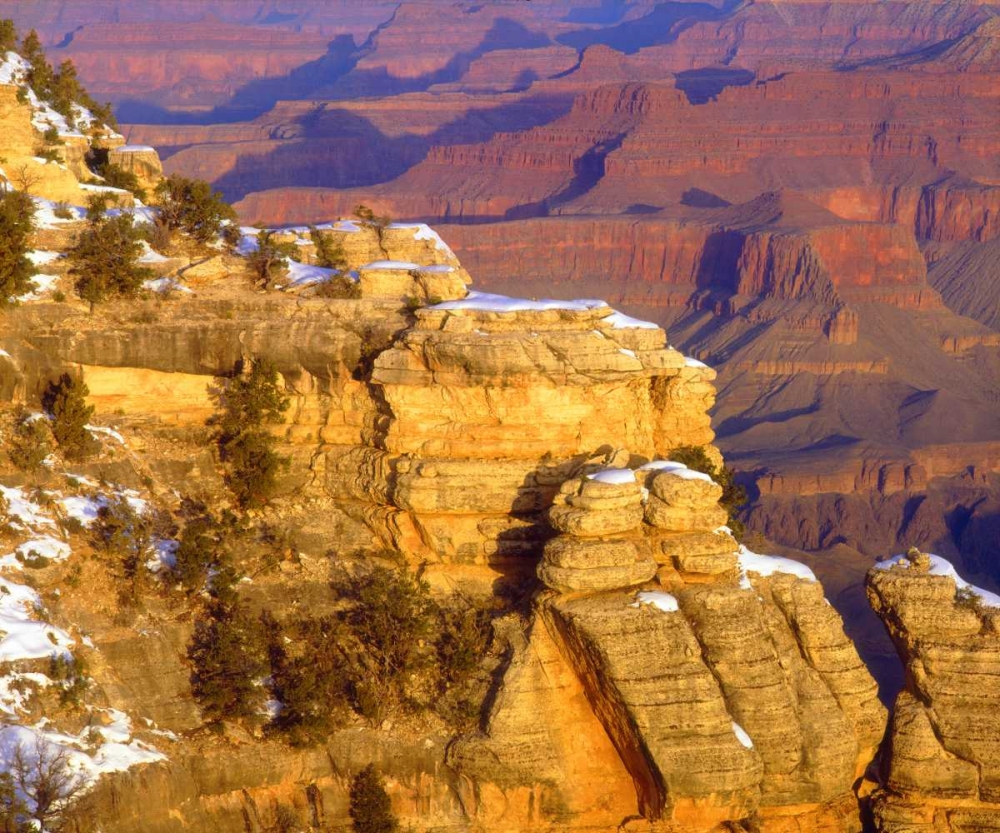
[371,808]
[40,77]
[125,534]
[66,402]
[17,213]
[192,206]
[269,261]
[329,255]
[246,404]
[29,443]
[228,658]
[66,90]
[8,36]
[105,258]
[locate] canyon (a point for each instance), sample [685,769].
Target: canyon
[813,216]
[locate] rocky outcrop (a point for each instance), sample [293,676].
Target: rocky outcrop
[490,402]
[726,686]
[942,761]
[141,160]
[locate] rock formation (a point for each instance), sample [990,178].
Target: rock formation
[940,767]
[726,685]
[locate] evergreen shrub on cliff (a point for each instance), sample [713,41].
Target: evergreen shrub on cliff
[228,658]
[105,259]
[734,496]
[269,261]
[246,404]
[389,646]
[8,35]
[329,255]
[65,401]
[125,534]
[191,206]
[370,807]
[30,442]
[17,214]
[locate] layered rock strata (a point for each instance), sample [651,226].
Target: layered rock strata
[942,763]
[726,686]
[489,403]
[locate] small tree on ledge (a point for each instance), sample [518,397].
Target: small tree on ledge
[371,809]
[66,403]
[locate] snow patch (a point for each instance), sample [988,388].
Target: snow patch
[766,565]
[614,476]
[675,469]
[620,321]
[742,736]
[658,599]
[943,567]
[488,302]
[403,265]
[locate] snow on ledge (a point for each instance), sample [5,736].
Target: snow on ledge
[658,599]
[135,149]
[766,565]
[424,232]
[616,477]
[403,265]
[675,469]
[943,567]
[488,302]
[620,321]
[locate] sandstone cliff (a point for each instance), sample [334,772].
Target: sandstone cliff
[939,770]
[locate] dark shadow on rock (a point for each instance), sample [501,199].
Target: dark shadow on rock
[588,170]
[697,198]
[337,148]
[639,208]
[607,14]
[661,26]
[704,85]
[258,96]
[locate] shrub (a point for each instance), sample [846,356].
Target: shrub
[464,634]
[369,217]
[62,211]
[370,807]
[202,547]
[246,403]
[734,496]
[49,155]
[192,206]
[269,261]
[968,599]
[66,403]
[17,213]
[392,621]
[71,674]
[313,683]
[228,656]
[339,286]
[105,257]
[40,77]
[329,255]
[51,136]
[118,177]
[124,533]
[30,442]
